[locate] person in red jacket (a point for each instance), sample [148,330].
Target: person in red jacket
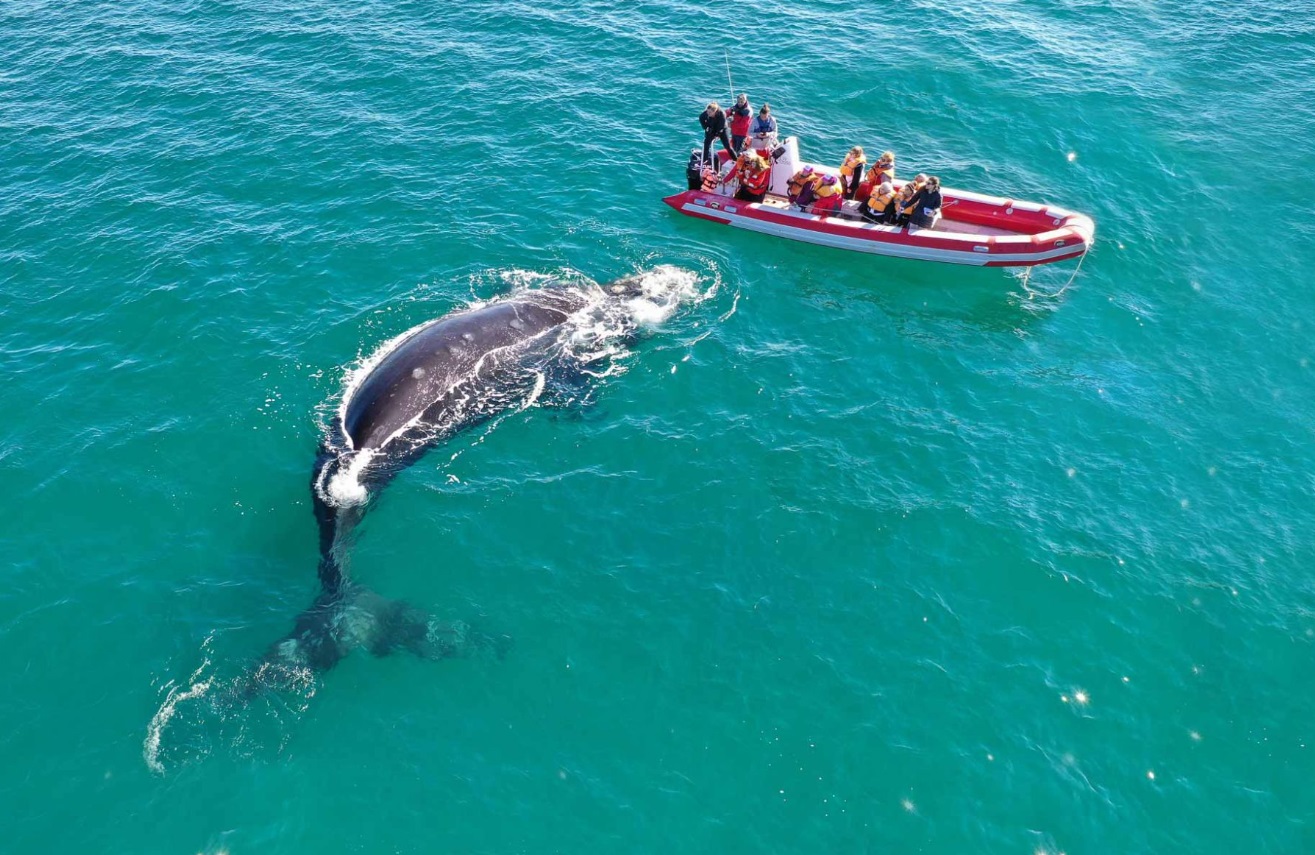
[828,197]
[755,175]
[741,116]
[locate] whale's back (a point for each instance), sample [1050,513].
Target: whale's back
[427,366]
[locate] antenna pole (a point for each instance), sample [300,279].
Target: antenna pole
[728,77]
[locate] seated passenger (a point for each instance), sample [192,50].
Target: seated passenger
[880,206]
[828,197]
[710,180]
[903,206]
[694,170]
[755,175]
[805,177]
[925,206]
[851,171]
[738,166]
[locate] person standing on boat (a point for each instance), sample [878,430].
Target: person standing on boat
[713,120]
[741,116]
[925,206]
[884,169]
[881,172]
[851,171]
[762,133]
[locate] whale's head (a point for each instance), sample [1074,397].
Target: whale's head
[627,287]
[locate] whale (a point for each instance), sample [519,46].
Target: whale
[423,388]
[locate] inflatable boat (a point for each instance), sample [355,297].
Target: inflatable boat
[973,228]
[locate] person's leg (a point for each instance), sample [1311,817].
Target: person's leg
[738,143]
[852,187]
[726,143]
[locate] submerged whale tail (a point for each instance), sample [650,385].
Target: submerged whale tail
[346,616]
[356,618]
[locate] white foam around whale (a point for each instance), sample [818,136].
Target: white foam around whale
[596,338]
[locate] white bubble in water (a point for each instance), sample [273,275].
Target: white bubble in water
[417,372]
[1072,156]
[344,487]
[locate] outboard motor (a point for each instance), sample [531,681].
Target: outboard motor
[694,170]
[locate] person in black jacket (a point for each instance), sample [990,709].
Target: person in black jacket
[713,120]
[926,204]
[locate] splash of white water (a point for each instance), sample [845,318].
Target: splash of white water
[595,338]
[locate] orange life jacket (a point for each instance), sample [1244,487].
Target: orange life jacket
[847,168]
[906,195]
[878,203]
[884,172]
[757,175]
[798,181]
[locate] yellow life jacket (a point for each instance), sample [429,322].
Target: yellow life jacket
[878,203]
[907,192]
[826,190]
[799,180]
[882,173]
[847,168]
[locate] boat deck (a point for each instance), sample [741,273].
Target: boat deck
[945,224]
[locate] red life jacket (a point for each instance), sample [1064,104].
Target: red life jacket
[740,124]
[756,178]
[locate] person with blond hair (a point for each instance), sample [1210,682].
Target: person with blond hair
[881,172]
[851,171]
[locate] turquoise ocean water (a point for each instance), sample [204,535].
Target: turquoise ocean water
[858,555]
